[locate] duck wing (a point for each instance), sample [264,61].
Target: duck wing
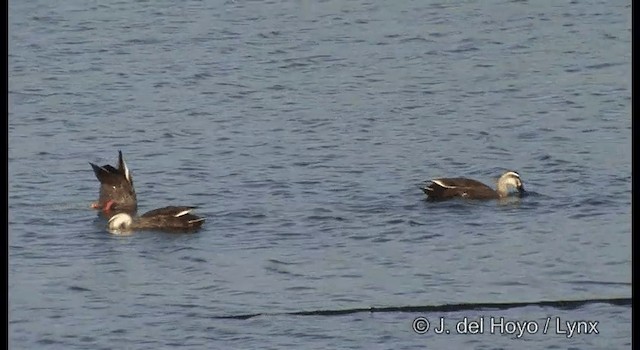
[458,182]
[107,174]
[123,169]
[173,211]
[171,218]
[445,188]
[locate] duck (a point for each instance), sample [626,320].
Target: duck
[168,219]
[460,187]
[117,193]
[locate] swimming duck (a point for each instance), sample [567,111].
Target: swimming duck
[446,188]
[116,188]
[172,219]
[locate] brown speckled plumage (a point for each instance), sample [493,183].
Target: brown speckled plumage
[116,188]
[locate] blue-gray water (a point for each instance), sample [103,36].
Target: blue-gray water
[301,130]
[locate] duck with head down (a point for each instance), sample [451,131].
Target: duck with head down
[116,189]
[447,188]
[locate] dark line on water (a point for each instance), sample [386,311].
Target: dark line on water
[559,304]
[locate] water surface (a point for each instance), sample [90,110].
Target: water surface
[302,130]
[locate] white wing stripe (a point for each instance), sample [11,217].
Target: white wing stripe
[184,212]
[127,174]
[441,184]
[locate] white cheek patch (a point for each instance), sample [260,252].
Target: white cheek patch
[120,221]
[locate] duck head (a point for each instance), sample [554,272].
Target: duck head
[120,223]
[508,181]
